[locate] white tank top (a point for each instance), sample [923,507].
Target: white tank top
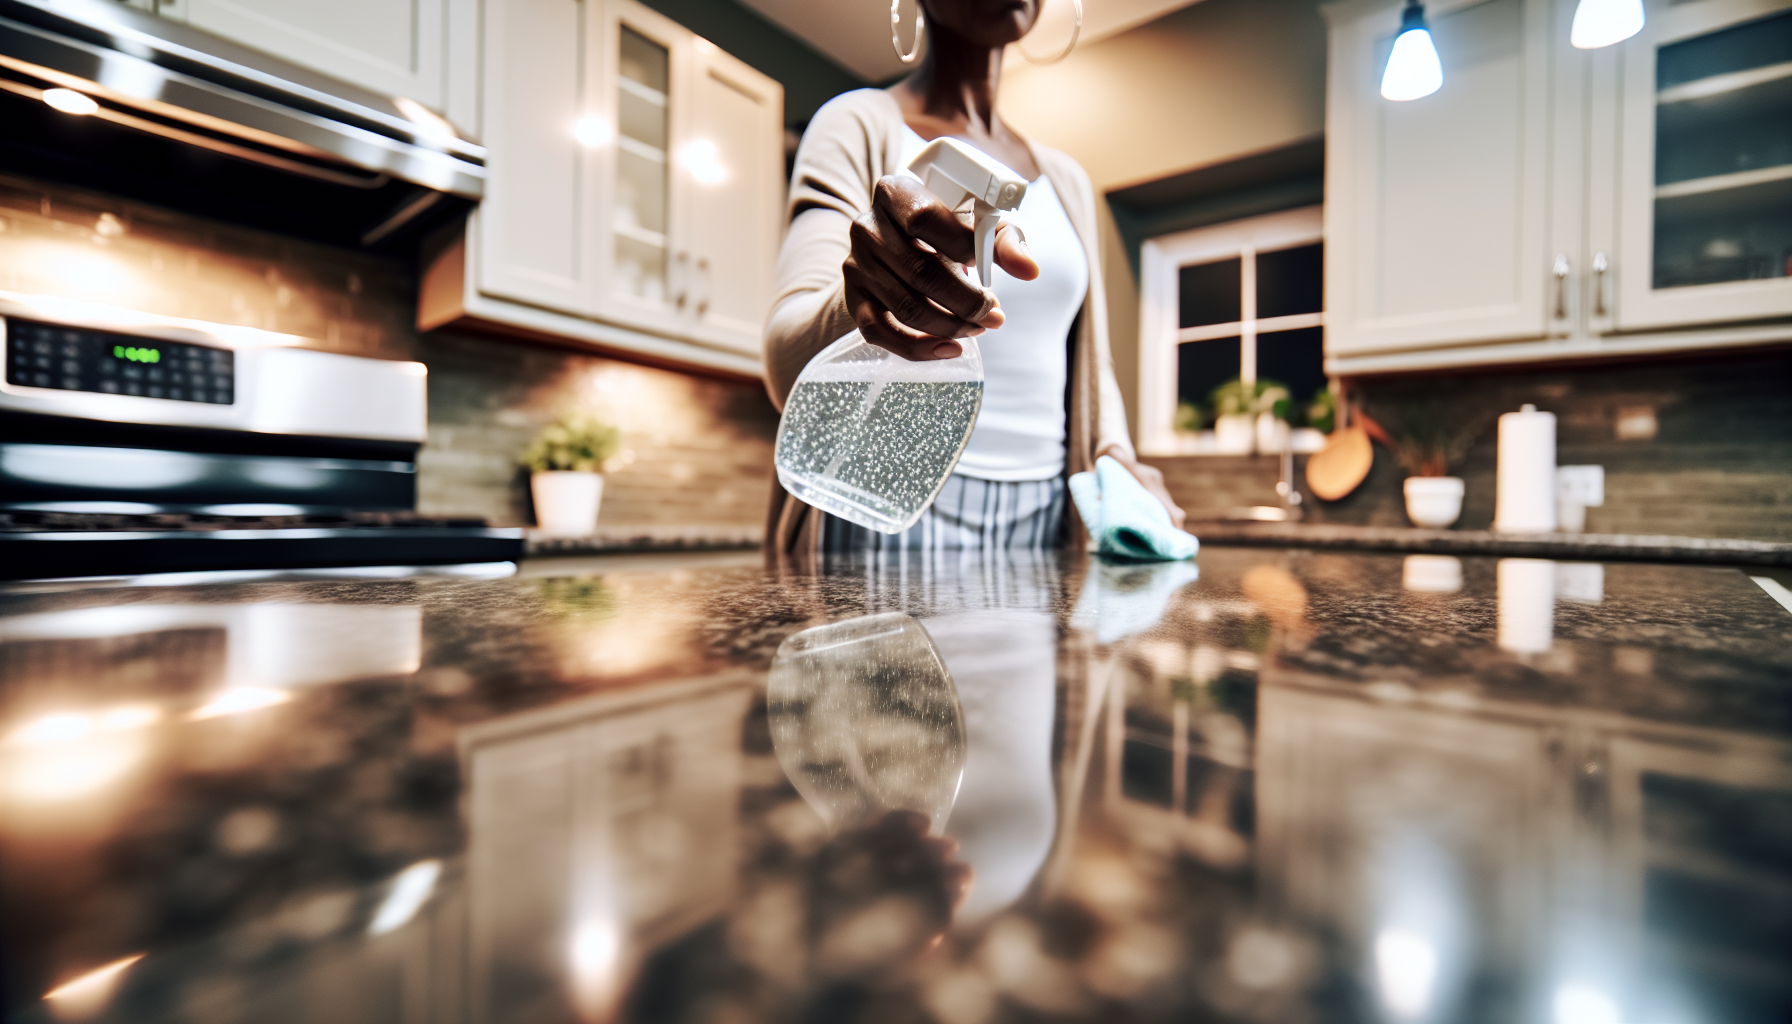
[1020,430]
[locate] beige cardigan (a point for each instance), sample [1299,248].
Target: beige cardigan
[852,142]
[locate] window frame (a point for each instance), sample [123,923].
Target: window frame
[1160,261]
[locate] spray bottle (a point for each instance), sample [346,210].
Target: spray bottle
[869,436]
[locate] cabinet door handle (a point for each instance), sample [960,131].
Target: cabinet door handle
[1600,266]
[703,283]
[1561,273]
[683,289]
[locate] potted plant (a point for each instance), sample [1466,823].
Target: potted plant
[1250,416]
[565,463]
[1427,437]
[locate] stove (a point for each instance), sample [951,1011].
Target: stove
[137,444]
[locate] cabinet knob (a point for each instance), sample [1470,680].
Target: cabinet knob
[1560,270]
[1600,265]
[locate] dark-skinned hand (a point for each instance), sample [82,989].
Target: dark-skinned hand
[905,282]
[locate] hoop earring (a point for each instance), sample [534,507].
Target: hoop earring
[1074,33]
[920,23]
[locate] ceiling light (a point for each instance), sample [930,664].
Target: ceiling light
[1604,22]
[1413,70]
[71,102]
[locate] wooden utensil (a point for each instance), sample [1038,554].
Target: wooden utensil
[1344,462]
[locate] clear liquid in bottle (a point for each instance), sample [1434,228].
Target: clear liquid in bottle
[871,437]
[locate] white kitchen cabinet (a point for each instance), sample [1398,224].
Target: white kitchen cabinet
[1554,203]
[634,189]
[425,50]
[1436,214]
[541,184]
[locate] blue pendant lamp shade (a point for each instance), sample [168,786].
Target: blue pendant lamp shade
[1604,22]
[1413,70]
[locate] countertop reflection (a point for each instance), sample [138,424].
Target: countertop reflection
[1272,786]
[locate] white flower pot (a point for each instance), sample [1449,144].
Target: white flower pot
[1433,501]
[566,502]
[1272,434]
[1234,435]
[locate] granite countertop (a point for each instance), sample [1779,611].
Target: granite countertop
[1586,546]
[1274,786]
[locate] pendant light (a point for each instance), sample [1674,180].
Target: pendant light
[1413,70]
[1604,22]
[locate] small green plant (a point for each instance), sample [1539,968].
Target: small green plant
[1236,398]
[1188,417]
[581,442]
[1322,412]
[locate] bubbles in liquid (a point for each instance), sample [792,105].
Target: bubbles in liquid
[875,453]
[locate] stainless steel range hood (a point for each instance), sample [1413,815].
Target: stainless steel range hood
[188,120]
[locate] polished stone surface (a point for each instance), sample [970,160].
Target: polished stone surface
[1276,786]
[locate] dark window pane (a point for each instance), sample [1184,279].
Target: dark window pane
[1202,366]
[1291,281]
[1755,44]
[1295,358]
[1208,293]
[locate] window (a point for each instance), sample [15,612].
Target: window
[1242,299]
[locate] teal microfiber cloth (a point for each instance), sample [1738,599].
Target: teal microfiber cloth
[1124,519]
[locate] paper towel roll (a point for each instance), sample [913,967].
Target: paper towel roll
[1525,494]
[1527,604]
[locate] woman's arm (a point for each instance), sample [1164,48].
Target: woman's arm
[809,312]
[872,251]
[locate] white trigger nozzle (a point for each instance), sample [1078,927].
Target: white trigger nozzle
[955,172]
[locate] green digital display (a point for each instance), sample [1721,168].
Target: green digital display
[136,355]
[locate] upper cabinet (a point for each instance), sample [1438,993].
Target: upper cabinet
[411,48]
[634,188]
[1436,209]
[1549,202]
[1705,189]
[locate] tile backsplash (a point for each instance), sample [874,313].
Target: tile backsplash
[698,450]
[1691,447]
[69,244]
[701,447]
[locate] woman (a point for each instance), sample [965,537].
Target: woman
[851,260]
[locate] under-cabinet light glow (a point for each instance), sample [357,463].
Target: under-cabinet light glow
[85,995]
[1578,1004]
[592,132]
[239,699]
[1604,22]
[71,102]
[1406,966]
[704,162]
[430,125]
[1413,69]
[410,890]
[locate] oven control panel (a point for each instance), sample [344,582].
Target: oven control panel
[44,355]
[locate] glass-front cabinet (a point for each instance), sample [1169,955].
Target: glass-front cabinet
[1705,224]
[634,188]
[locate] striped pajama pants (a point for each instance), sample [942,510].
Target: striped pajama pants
[969,513]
